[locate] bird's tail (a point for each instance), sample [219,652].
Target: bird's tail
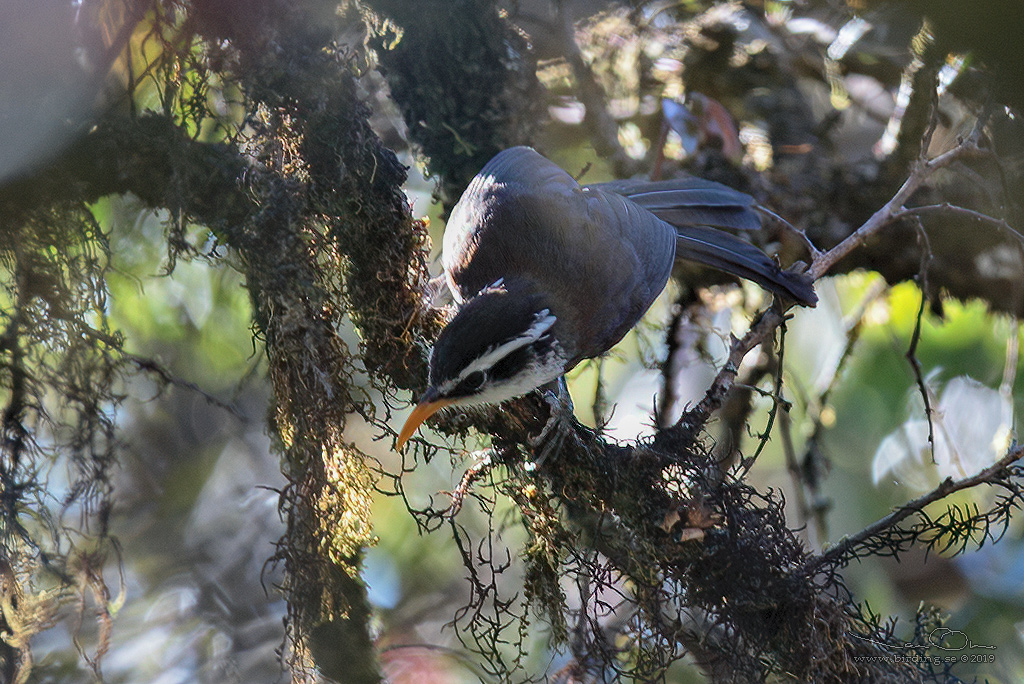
[728,253]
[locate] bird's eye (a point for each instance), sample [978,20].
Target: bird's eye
[473,381]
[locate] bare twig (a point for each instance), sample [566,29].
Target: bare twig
[164,374]
[680,339]
[761,331]
[777,402]
[800,234]
[947,208]
[600,404]
[168,378]
[853,326]
[991,475]
[821,265]
[735,412]
[915,338]
[919,173]
[803,510]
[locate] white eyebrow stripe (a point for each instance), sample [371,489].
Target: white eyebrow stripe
[541,324]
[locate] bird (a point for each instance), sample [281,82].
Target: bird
[546,272]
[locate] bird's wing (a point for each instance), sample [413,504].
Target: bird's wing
[601,259]
[638,250]
[527,168]
[503,209]
[690,202]
[696,207]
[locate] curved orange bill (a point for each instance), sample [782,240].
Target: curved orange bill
[423,410]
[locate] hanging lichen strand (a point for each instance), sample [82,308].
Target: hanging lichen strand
[60,372]
[300,187]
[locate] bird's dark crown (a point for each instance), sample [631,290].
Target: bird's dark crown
[496,318]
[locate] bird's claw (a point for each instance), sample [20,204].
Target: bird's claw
[560,423]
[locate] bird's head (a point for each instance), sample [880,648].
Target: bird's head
[500,345]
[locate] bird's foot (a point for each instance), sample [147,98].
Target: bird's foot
[561,423]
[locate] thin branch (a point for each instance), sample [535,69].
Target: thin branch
[853,327]
[680,339]
[803,508]
[990,475]
[165,375]
[735,412]
[920,172]
[915,338]
[168,378]
[799,233]
[760,332]
[947,208]
[777,402]
[600,405]
[821,264]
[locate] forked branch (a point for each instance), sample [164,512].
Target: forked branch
[995,474]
